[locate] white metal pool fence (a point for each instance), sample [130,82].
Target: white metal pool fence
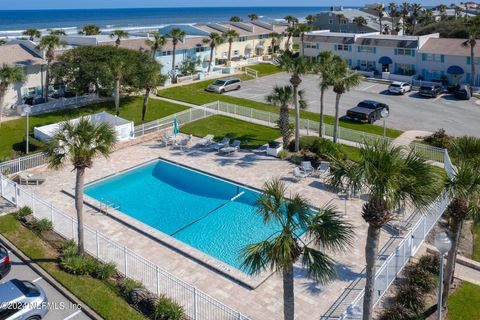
[197,304]
[312,128]
[62,103]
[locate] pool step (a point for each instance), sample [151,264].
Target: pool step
[105,204]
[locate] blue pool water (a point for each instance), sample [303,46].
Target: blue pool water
[175,200]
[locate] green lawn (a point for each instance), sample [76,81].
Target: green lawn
[464,303]
[251,135]
[12,132]
[476,242]
[265,69]
[195,93]
[100,295]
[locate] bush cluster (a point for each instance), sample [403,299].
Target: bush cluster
[316,149]
[41,225]
[84,265]
[23,212]
[420,280]
[167,309]
[439,139]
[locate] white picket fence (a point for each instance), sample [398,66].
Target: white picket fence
[59,104]
[197,304]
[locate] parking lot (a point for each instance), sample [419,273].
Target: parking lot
[408,112]
[60,306]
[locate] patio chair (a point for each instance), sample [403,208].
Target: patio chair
[299,174]
[307,167]
[323,169]
[206,141]
[166,140]
[231,149]
[219,145]
[27,178]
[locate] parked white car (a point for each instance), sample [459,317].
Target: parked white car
[399,87]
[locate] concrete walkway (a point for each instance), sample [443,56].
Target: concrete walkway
[409,136]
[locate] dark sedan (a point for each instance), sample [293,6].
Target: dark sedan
[5,264]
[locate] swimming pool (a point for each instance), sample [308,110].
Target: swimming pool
[212,215]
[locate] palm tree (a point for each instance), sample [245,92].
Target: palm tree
[252,17]
[119,35]
[393,13]
[276,38]
[8,75]
[379,11]
[300,31]
[57,32]
[310,19]
[464,190]
[386,29]
[343,80]
[291,20]
[158,42]
[473,28]
[428,16]
[32,34]
[405,11]
[416,10]
[326,65]
[230,35]
[360,21]
[90,30]
[176,34]
[117,67]
[2,42]
[340,17]
[442,8]
[152,77]
[285,247]
[214,40]
[296,67]
[458,11]
[393,179]
[290,32]
[49,44]
[235,19]
[283,97]
[80,143]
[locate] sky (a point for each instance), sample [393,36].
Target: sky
[88,4]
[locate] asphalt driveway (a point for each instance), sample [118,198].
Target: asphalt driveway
[408,112]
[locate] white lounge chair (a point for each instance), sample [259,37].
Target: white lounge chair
[27,178]
[166,140]
[323,169]
[219,145]
[206,141]
[230,149]
[307,167]
[298,174]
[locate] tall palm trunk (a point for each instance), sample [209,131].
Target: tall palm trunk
[229,50]
[302,38]
[287,44]
[174,51]
[472,63]
[273,46]
[211,57]
[284,124]
[288,294]
[455,232]
[79,207]
[297,118]
[117,94]
[47,81]
[371,252]
[320,131]
[2,101]
[148,88]
[337,115]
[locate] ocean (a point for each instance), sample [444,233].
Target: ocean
[12,22]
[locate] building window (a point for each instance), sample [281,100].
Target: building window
[341,47]
[367,65]
[404,52]
[366,49]
[236,52]
[310,46]
[433,57]
[330,21]
[344,21]
[242,39]
[405,69]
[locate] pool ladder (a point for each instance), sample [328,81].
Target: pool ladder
[105,204]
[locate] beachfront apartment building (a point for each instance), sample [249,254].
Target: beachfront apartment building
[23,54]
[401,58]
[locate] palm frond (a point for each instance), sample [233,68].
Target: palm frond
[318,265]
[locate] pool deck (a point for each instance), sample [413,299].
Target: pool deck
[249,168]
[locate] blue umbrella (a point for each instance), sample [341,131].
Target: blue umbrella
[175,126]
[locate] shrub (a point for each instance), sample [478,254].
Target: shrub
[23,212]
[321,147]
[78,265]
[439,139]
[42,225]
[104,270]
[283,154]
[420,278]
[430,263]
[396,312]
[127,285]
[69,248]
[411,298]
[167,309]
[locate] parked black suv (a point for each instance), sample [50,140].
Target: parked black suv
[5,264]
[430,91]
[367,111]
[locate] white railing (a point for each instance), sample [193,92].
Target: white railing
[189,77]
[310,127]
[197,304]
[59,104]
[251,72]
[23,163]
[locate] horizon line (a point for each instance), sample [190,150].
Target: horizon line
[174,7]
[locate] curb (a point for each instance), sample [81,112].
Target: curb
[45,275]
